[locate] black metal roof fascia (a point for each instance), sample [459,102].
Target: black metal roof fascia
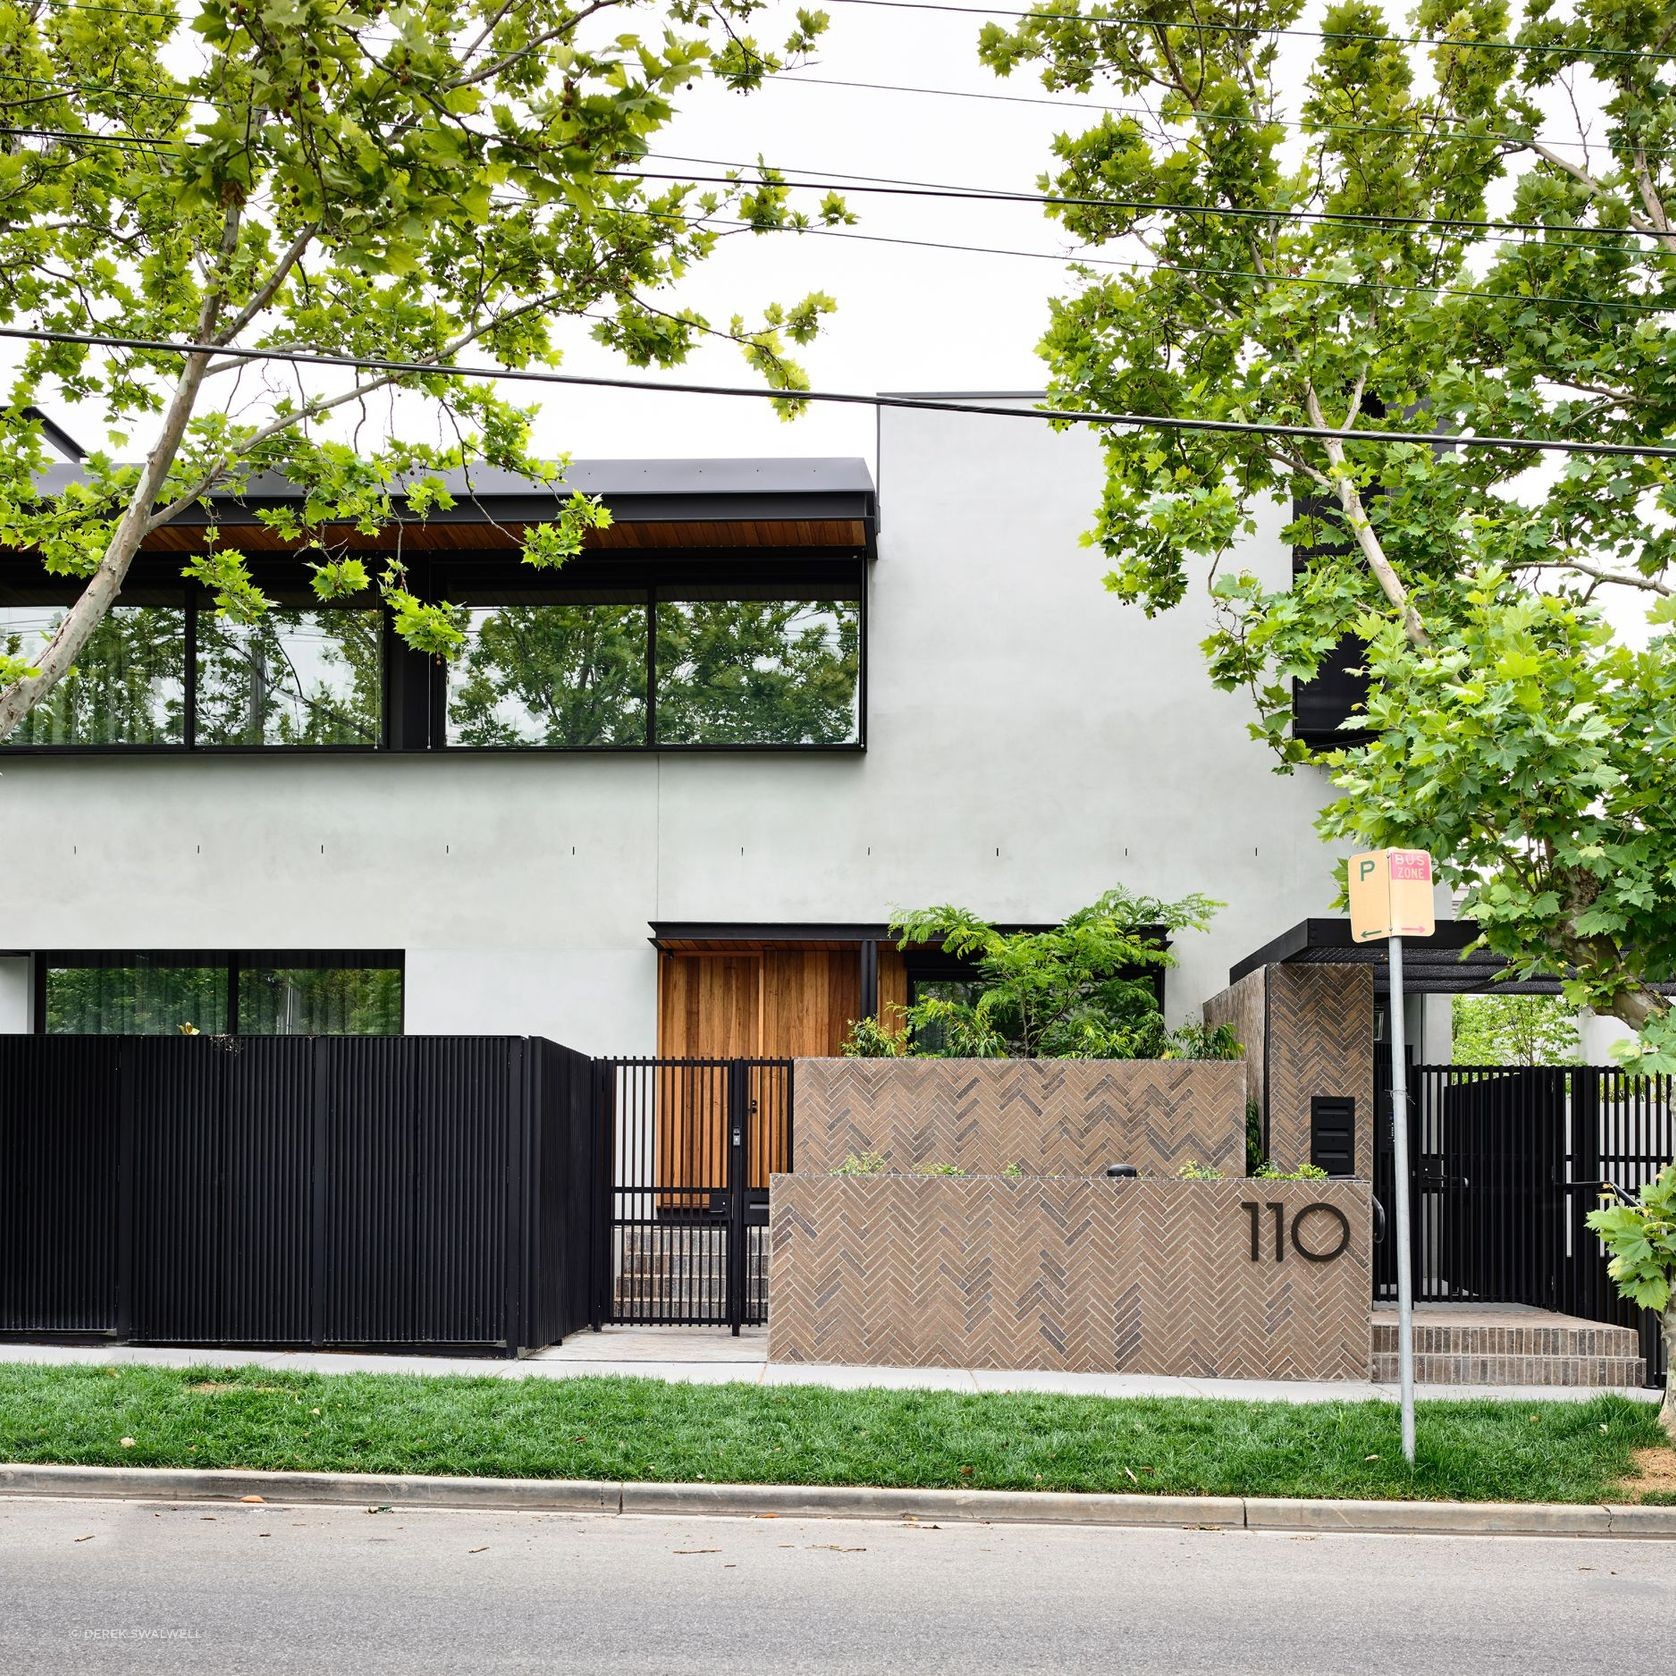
[1431,965]
[844,931]
[638,491]
[56,434]
[1302,942]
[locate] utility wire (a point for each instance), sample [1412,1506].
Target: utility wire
[1632,305]
[1082,106]
[847,398]
[1189,26]
[1186,26]
[889,186]
[136,140]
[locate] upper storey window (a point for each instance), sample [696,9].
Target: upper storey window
[128,687]
[293,677]
[763,671]
[555,675]
[575,661]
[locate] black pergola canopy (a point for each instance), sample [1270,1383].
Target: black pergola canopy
[1435,965]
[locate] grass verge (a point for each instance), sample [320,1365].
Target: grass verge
[643,1429]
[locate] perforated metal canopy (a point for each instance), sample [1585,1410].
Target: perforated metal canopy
[1435,965]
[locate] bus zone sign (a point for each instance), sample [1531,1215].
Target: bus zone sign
[1391,895]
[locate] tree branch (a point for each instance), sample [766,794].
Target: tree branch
[266,292]
[79,622]
[1350,498]
[1650,584]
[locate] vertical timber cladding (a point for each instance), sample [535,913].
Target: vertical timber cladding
[767,1002]
[1208,1279]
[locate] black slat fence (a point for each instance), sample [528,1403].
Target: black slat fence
[425,1191]
[1506,1163]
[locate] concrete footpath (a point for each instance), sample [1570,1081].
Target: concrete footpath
[174,1486]
[712,1356]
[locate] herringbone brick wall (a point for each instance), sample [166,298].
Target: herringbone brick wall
[1319,1041]
[1082,1275]
[1244,1005]
[1048,1116]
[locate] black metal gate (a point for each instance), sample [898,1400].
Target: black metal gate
[1506,1163]
[690,1145]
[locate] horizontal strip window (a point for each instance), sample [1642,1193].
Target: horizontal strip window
[692,658]
[746,664]
[213,993]
[170,672]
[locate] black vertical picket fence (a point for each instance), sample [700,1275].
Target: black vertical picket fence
[1506,1162]
[691,1144]
[432,1192]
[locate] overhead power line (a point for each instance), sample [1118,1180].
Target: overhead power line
[1632,305]
[1084,106]
[888,186]
[1192,26]
[846,398]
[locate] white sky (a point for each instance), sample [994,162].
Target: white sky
[908,319]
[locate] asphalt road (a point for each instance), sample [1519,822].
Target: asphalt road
[91,1587]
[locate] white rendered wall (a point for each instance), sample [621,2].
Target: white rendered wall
[1031,741]
[15,993]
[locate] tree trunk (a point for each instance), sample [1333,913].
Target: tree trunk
[59,657]
[1667,1409]
[1638,1006]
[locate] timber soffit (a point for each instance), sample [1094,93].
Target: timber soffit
[816,503]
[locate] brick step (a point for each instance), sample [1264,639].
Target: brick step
[1434,1338]
[1612,1372]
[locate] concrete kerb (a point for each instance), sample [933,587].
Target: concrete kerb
[791,1501]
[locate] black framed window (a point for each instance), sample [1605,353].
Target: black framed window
[128,686]
[695,652]
[757,668]
[214,992]
[294,676]
[566,675]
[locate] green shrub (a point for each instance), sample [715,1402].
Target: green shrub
[1304,1172]
[1082,990]
[872,1038]
[863,1164]
[1193,1170]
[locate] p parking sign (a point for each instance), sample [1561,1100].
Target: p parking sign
[1391,895]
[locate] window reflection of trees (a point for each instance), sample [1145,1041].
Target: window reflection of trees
[293,677]
[758,671]
[128,686]
[550,675]
[728,671]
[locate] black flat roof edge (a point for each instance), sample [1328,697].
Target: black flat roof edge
[829,931]
[1307,935]
[1431,962]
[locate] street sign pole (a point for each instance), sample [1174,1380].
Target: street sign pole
[1390,894]
[1399,1150]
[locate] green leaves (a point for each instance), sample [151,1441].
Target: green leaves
[1077,991]
[410,184]
[1514,733]
[1640,1240]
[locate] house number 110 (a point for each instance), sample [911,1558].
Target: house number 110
[1277,1214]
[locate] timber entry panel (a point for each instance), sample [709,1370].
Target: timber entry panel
[691,1144]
